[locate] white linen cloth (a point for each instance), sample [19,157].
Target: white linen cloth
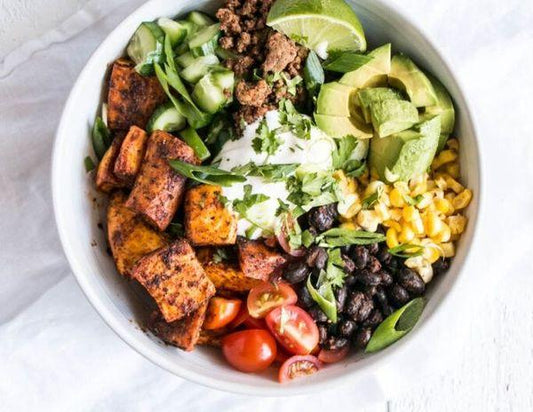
[55,351]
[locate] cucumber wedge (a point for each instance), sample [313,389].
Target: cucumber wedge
[167,118]
[176,31]
[199,68]
[185,60]
[224,78]
[146,47]
[205,41]
[199,18]
[208,95]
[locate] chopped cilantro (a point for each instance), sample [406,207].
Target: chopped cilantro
[271,172]
[266,140]
[371,200]
[292,83]
[220,255]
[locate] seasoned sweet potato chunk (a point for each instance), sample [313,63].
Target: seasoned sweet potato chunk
[212,337]
[105,178]
[257,260]
[131,154]
[175,279]
[132,98]
[129,236]
[183,333]
[207,221]
[158,190]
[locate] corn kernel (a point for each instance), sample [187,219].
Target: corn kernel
[396,198]
[444,206]
[382,212]
[418,226]
[432,224]
[410,213]
[392,238]
[444,157]
[443,235]
[373,187]
[463,199]
[454,170]
[349,206]
[453,144]
[437,194]
[426,201]
[406,235]
[395,214]
[391,223]
[403,187]
[448,249]
[419,189]
[457,224]
[348,225]
[368,220]
[440,182]
[431,251]
[449,197]
[454,184]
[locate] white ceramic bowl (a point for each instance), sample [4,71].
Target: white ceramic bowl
[77,214]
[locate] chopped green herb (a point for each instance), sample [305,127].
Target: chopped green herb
[271,172]
[241,206]
[282,208]
[291,83]
[313,73]
[371,200]
[412,201]
[407,251]
[396,326]
[220,255]
[206,174]
[175,229]
[266,140]
[220,131]
[307,238]
[88,162]
[334,273]
[324,298]
[345,61]
[309,190]
[101,138]
[296,122]
[338,237]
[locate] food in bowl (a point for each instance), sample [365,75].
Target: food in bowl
[276,189]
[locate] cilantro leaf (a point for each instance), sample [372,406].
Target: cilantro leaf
[271,172]
[266,140]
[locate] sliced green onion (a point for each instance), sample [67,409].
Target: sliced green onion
[344,62]
[338,237]
[206,174]
[313,73]
[404,251]
[88,162]
[192,138]
[101,138]
[396,326]
[324,298]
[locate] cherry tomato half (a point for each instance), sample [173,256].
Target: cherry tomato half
[332,356]
[267,296]
[243,317]
[297,366]
[294,329]
[251,350]
[221,312]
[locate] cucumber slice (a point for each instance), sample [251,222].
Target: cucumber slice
[224,54]
[205,41]
[185,60]
[199,18]
[146,47]
[209,96]
[176,31]
[167,118]
[199,68]
[224,78]
[193,139]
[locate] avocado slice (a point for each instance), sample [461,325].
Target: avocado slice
[366,97]
[372,74]
[392,116]
[405,75]
[408,153]
[335,99]
[444,108]
[341,126]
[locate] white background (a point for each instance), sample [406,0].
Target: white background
[57,354]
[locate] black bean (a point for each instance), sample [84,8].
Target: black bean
[411,281]
[384,256]
[349,265]
[346,249]
[373,265]
[358,306]
[393,264]
[370,290]
[304,297]
[360,257]
[347,327]
[441,266]
[383,302]
[373,248]
[296,272]
[341,294]
[398,295]
[374,319]
[336,343]
[362,337]
[322,333]
[368,278]
[317,257]
[350,281]
[318,315]
[324,217]
[386,277]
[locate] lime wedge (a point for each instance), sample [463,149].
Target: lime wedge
[321,25]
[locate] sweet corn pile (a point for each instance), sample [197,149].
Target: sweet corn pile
[425,213]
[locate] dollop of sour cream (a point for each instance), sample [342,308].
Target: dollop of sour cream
[314,153]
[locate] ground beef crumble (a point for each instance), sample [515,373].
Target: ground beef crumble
[259,52]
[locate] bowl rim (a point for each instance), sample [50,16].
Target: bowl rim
[122,330]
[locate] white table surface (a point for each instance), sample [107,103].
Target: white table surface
[489,41]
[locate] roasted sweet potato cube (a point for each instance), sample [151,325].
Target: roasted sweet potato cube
[257,260]
[207,221]
[175,279]
[158,189]
[212,337]
[183,333]
[130,155]
[129,236]
[105,178]
[132,98]
[229,277]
